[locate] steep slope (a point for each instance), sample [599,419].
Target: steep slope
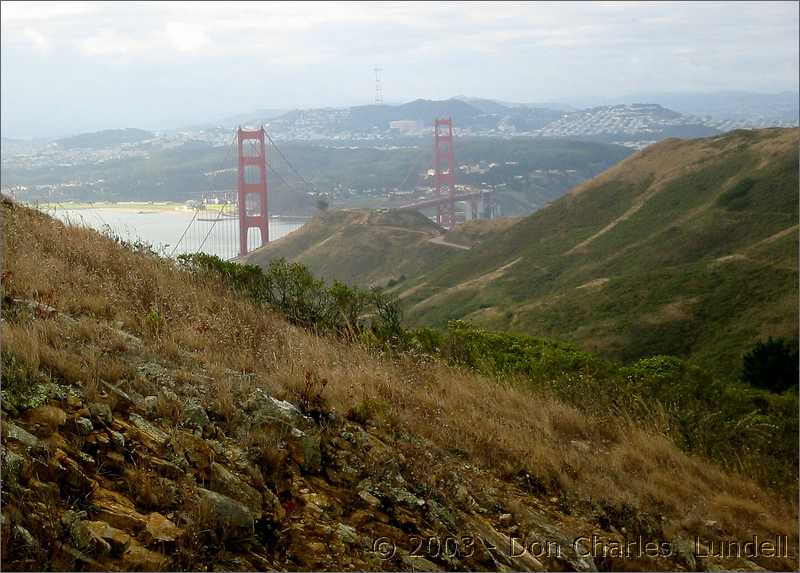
[151,421]
[686,248]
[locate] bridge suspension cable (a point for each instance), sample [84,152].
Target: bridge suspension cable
[213,190]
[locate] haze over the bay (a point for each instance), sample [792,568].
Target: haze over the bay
[68,68]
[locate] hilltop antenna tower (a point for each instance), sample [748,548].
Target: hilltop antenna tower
[378,86]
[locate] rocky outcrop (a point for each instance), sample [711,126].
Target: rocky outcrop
[115,483]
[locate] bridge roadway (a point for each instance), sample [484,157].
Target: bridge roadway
[433,202]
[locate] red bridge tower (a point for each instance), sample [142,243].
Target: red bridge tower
[252,187]
[444,169]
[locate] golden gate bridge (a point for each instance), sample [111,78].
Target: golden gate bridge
[233,222]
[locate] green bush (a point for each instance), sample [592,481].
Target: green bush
[305,300]
[737,425]
[772,365]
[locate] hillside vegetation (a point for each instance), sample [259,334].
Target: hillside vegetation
[164,416]
[369,248]
[688,248]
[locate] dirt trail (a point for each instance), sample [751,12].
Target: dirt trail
[440,241]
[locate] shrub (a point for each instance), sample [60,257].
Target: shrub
[305,300]
[772,365]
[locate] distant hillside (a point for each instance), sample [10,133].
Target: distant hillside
[472,114]
[686,248]
[375,248]
[105,138]
[733,105]
[368,248]
[633,124]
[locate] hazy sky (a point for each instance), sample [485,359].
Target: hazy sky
[80,66]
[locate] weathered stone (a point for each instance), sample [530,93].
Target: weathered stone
[75,555]
[369,498]
[12,466]
[14,432]
[83,426]
[123,401]
[159,529]
[263,408]
[46,419]
[504,550]
[137,558]
[230,516]
[195,415]
[70,472]
[307,453]
[346,534]
[147,433]
[101,412]
[44,488]
[118,540]
[225,482]
[165,468]
[82,537]
[117,439]
[117,510]
[194,450]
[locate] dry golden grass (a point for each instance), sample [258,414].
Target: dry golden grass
[498,424]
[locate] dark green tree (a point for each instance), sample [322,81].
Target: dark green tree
[772,365]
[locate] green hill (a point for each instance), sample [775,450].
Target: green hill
[687,248]
[368,248]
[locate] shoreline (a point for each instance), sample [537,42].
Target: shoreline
[135,207]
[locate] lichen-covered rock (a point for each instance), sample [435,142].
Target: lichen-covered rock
[123,402]
[193,450]
[229,516]
[83,426]
[261,408]
[12,467]
[147,433]
[225,482]
[116,510]
[13,432]
[117,539]
[117,439]
[137,558]
[194,415]
[159,529]
[101,412]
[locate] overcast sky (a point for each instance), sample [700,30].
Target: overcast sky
[69,67]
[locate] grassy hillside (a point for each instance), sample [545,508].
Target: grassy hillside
[369,248]
[687,248]
[144,427]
